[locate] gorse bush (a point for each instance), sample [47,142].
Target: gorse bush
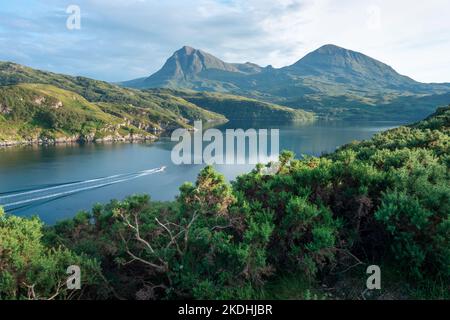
[420,238]
[306,237]
[203,246]
[30,270]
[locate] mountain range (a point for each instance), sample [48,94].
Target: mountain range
[331,81]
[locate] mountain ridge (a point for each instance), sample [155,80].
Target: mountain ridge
[331,81]
[188,62]
[212,62]
[339,61]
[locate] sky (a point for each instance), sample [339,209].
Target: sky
[122,40]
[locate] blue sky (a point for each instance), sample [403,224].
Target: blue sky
[122,40]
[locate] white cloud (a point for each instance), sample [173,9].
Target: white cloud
[126,39]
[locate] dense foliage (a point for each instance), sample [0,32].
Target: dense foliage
[385,201]
[30,270]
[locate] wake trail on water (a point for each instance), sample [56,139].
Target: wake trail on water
[59,186]
[98,183]
[40,187]
[31,205]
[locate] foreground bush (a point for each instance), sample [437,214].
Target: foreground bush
[205,245]
[29,270]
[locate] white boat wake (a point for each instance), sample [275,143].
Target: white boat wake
[16,199]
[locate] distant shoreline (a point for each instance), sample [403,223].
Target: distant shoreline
[76,140]
[66,141]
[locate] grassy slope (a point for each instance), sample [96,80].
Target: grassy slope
[240,108]
[390,106]
[33,111]
[162,112]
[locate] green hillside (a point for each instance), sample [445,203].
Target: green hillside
[240,108]
[44,113]
[163,113]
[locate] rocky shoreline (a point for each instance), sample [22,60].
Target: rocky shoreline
[141,137]
[79,139]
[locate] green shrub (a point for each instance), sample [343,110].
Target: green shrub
[420,241]
[29,270]
[207,245]
[305,238]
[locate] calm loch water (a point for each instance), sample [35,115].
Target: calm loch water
[55,182]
